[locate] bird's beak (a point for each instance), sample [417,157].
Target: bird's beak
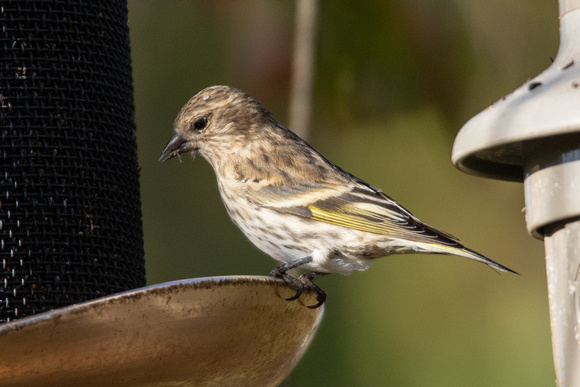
[176,146]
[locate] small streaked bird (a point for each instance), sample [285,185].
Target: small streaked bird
[292,202]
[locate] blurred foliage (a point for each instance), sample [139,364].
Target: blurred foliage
[395,81]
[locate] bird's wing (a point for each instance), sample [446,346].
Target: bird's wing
[357,206]
[361,207]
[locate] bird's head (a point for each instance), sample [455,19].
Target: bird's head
[215,122]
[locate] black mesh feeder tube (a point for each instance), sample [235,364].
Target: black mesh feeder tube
[73,309]
[70,217]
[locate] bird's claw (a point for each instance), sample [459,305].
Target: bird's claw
[300,284]
[306,280]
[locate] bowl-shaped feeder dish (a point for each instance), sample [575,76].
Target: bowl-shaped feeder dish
[226,331]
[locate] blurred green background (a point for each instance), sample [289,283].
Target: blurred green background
[395,81]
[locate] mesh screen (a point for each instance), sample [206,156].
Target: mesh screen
[70,218]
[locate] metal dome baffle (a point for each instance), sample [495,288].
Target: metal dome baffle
[533,135]
[71,244]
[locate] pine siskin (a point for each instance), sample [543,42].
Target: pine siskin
[293,203]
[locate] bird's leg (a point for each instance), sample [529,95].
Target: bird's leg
[299,284]
[280,272]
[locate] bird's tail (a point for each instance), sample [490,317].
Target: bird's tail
[471,254]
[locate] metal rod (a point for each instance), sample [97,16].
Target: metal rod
[563,270]
[303,67]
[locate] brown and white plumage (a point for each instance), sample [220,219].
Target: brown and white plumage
[292,202]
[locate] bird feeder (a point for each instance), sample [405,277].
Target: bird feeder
[533,135]
[74,310]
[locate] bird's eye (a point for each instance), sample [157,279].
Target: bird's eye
[200,123]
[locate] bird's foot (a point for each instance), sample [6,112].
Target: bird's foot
[306,280]
[302,283]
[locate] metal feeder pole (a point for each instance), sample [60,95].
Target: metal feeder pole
[533,135]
